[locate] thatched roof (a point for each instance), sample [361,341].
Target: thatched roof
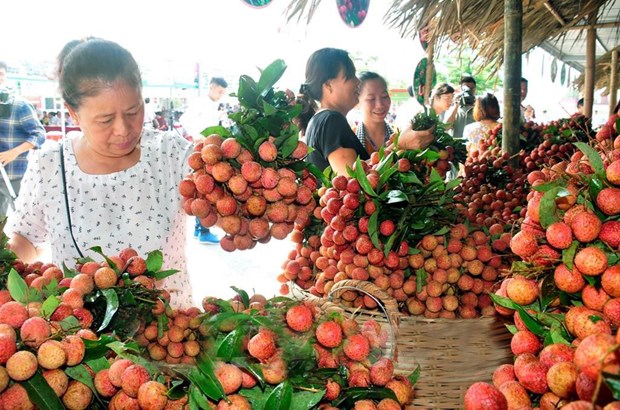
[479,24]
[601,75]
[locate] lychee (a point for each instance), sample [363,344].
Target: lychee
[13,313]
[357,347]
[152,394]
[329,334]
[267,151]
[608,201]
[22,365]
[78,396]
[591,261]
[299,318]
[586,226]
[35,331]
[484,396]
[559,235]
[524,244]
[132,378]
[229,376]
[262,345]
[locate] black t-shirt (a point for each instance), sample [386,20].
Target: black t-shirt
[327,131]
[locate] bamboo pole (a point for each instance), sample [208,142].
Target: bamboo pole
[513,30]
[613,82]
[430,69]
[588,91]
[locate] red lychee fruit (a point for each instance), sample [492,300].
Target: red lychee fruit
[525,341]
[586,226]
[608,201]
[502,374]
[116,371]
[562,378]
[211,154]
[8,347]
[78,396]
[356,347]
[610,233]
[332,390]
[567,280]
[267,151]
[524,244]
[591,261]
[75,349]
[230,148]
[533,377]
[132,378]
[13,313]
[522,290]
[592,355]
[152,394]
[299,318]
[594,298]
[556,353]
[35,331]
[301,150]
[51,354]
[559,235]
[329,334]
[262,345]
[381,371]
[57,379]
[484,396]
[613,172]
[22,365]
[229,376]
[103,385]
[516,395]
[402,391]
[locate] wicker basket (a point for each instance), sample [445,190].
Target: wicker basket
[452,354]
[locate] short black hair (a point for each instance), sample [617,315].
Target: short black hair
[468,79]
[219,81]
[580,102]
[524,80]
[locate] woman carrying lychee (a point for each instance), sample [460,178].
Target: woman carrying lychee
[114,184]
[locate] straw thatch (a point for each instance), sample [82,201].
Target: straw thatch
[602,73]
[476,24]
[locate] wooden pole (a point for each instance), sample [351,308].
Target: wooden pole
[513,29]
[430,69]
[613,82]
[588,92]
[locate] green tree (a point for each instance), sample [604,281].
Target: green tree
[453,63]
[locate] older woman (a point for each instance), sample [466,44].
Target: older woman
[486,114]
[114,184]
[330,80]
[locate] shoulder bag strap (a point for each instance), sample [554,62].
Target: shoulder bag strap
[66,195]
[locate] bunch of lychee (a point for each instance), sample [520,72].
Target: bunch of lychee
[337,342]
[252,197]
[177,340]
[491,190]
[555,376]
[299,266]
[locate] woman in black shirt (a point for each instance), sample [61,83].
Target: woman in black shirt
[330,80]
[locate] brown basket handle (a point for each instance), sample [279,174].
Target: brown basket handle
[387,304]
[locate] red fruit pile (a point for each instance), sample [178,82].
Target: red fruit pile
[252,198]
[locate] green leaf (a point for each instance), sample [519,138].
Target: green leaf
[154,261]
[96,349]
[82,375]
[162,274]
[593,157]
[386,163]
[17,287]
[395,196]
[547,207]
[568,255]
[49,306]
[247,92]
[410,178]
[280,398]
[162,325]
[216,129]
[68,273]
[385,176]
[245,298]
[415,375]
[289,145]
[420,278]
[613,382]
[373,229]
[111,300]
[69,323]
[209,385]
[512,329]
[595,185]
[350,395]
[197,400]
[41,394]
[304,400]
[361,177]
[232,345]
[314,170]
[270,76]
[98,364]
[557,334]
[442,231]
[550,185]
[532,324]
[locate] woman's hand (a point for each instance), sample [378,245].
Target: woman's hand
[410,139]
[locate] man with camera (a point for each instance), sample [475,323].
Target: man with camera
[466,101]
[20,131]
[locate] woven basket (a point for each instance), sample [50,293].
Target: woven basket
[452,354]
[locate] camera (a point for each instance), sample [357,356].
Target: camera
[467,98]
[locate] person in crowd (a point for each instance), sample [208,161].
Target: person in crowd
[20,132]
[486,114]
[162,124]
[113,184]
[530,110]
[465,110]
[149,114]
[200,115]
[54,118]
[441,101]
[373,131]
[580,106]
[331,80]
[45,118]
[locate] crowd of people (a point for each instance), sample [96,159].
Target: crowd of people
[114,183]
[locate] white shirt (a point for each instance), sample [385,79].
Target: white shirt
[139,207]
[201,114]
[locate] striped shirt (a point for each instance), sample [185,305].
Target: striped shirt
[361,136]
[19,123]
